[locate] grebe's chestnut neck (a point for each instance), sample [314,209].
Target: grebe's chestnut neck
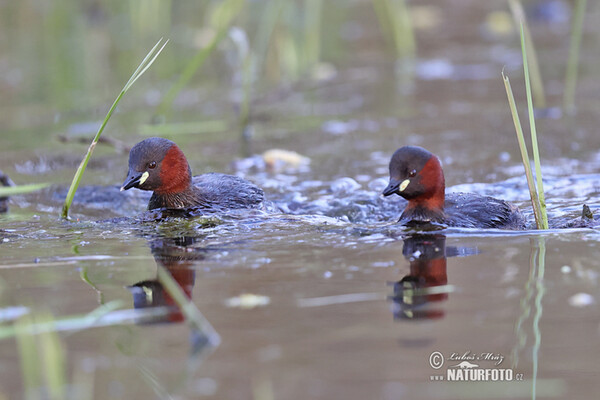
[417,175]
[157,164]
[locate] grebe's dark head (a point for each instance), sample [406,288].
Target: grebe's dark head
[417,175]
[158,164]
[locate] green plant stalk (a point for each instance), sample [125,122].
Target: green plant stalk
[380,7]
[73,323]
[21,189]
[573,61]
[265,34]
[83,274]
[524,154]
[312,32]
[289,54]
[247,90]
[533,132]
[143,67]
[518,13]
[42,357]
[395,24]
[537,334]
[193,316]
[53,362]
[525,312]
[28,357]
[223,15]
[189,71]
[405,37]
[244,117]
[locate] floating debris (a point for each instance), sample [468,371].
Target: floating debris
[248,301]
[278,160]
[581,300]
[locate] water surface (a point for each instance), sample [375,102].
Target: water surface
[327,297]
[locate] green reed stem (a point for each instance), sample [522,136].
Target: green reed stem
[42,358]
[143,67]
[395,23]
[223,15]
[312,32]
[188,73]
[573,61]
[71,323]
[524,153]
[533,132]
[540,290]
[192,315]
[518,13]
[21,189]
[265,33]
[28,357]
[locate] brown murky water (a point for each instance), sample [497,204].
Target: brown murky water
[346,304]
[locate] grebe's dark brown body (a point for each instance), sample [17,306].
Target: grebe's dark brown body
[159,165]
[417,175]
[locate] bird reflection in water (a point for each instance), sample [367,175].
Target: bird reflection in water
[177,256]
[415,296]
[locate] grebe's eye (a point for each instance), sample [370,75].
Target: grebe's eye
[412,173]
[152,165]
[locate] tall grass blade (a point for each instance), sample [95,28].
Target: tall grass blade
[265,32]
[573,61]
[21,189]
[101,316]
[28,356]
[540,290]
[312,32]
[143,67]
[533,132]
[224,14]
[53,362]
[145,64]
[518,13]
[42,358]
[395,24]
[189,71]
[193,316]
[524,153]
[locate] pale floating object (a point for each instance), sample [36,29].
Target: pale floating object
[248,301]
[581,300]
[278,159]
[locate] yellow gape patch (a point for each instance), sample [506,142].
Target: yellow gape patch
[403,185]
[144,176]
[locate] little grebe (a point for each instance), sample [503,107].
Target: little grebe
[417,175]
[157,164]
